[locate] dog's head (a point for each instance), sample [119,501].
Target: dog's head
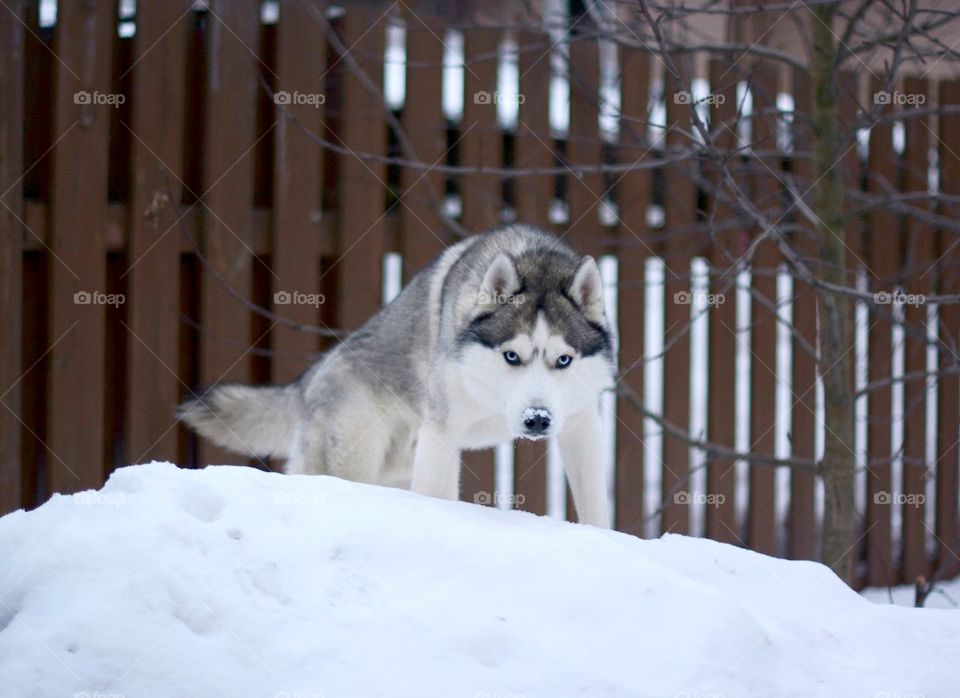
[537,346]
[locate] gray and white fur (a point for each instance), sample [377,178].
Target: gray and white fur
[503,336]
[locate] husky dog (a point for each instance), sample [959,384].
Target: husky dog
[503,336]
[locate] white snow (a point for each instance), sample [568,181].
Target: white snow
[534,413]
[945,594]
[233,582]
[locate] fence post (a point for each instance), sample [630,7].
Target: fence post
[361,193]
[425,235]
[634,191]
[532,194]
[11,255]
[75,396]
[231,90]
[767,195]
[948,386]
[481,146]
[153,246]
[722,521]
[300,64]
[680,211]
[883,244]
[802,518]
[919,277]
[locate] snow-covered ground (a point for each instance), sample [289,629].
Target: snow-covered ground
[233,582]
[944,595]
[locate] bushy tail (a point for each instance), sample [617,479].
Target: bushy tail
[257,421]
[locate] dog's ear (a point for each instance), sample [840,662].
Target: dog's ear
[499,283]
[586,290]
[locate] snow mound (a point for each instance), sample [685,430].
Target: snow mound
[233,582]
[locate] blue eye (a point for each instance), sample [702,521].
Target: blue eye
[512,358]
[564,360]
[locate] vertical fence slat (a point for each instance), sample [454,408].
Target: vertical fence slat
[480,193]
[721,374]
[767,196]
[802,521]
[919,257]
[75,396]
[633,196]
[584,189]
[153,248]
[11,254]
[361,182]
[948,386]
[532,194]
[231,91]
[884,246]
[481,143]
[424,234]
[851,172]
[680,206]
[301,54]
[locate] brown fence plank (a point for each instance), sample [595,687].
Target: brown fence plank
[75,396]
[231,92]
[721,375]
[11,255]
[761,521]
[532,195]
[802,518]
[153,249]
[766,192]
[680,206]
[481,146]
[633,193]
[919,257]
[883,243]
[584,189]
[301,54]
[424,234]
[361,182]
[948,385]
[533,142]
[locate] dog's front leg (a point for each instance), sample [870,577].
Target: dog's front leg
[436,463]
[581,444]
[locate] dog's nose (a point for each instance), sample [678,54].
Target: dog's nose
[536,419]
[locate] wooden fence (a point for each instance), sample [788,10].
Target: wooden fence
[159,200]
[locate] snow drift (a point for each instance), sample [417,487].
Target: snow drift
[233,582]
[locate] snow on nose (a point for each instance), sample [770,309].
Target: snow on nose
[536,420]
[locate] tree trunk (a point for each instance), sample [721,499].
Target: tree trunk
[834,309]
